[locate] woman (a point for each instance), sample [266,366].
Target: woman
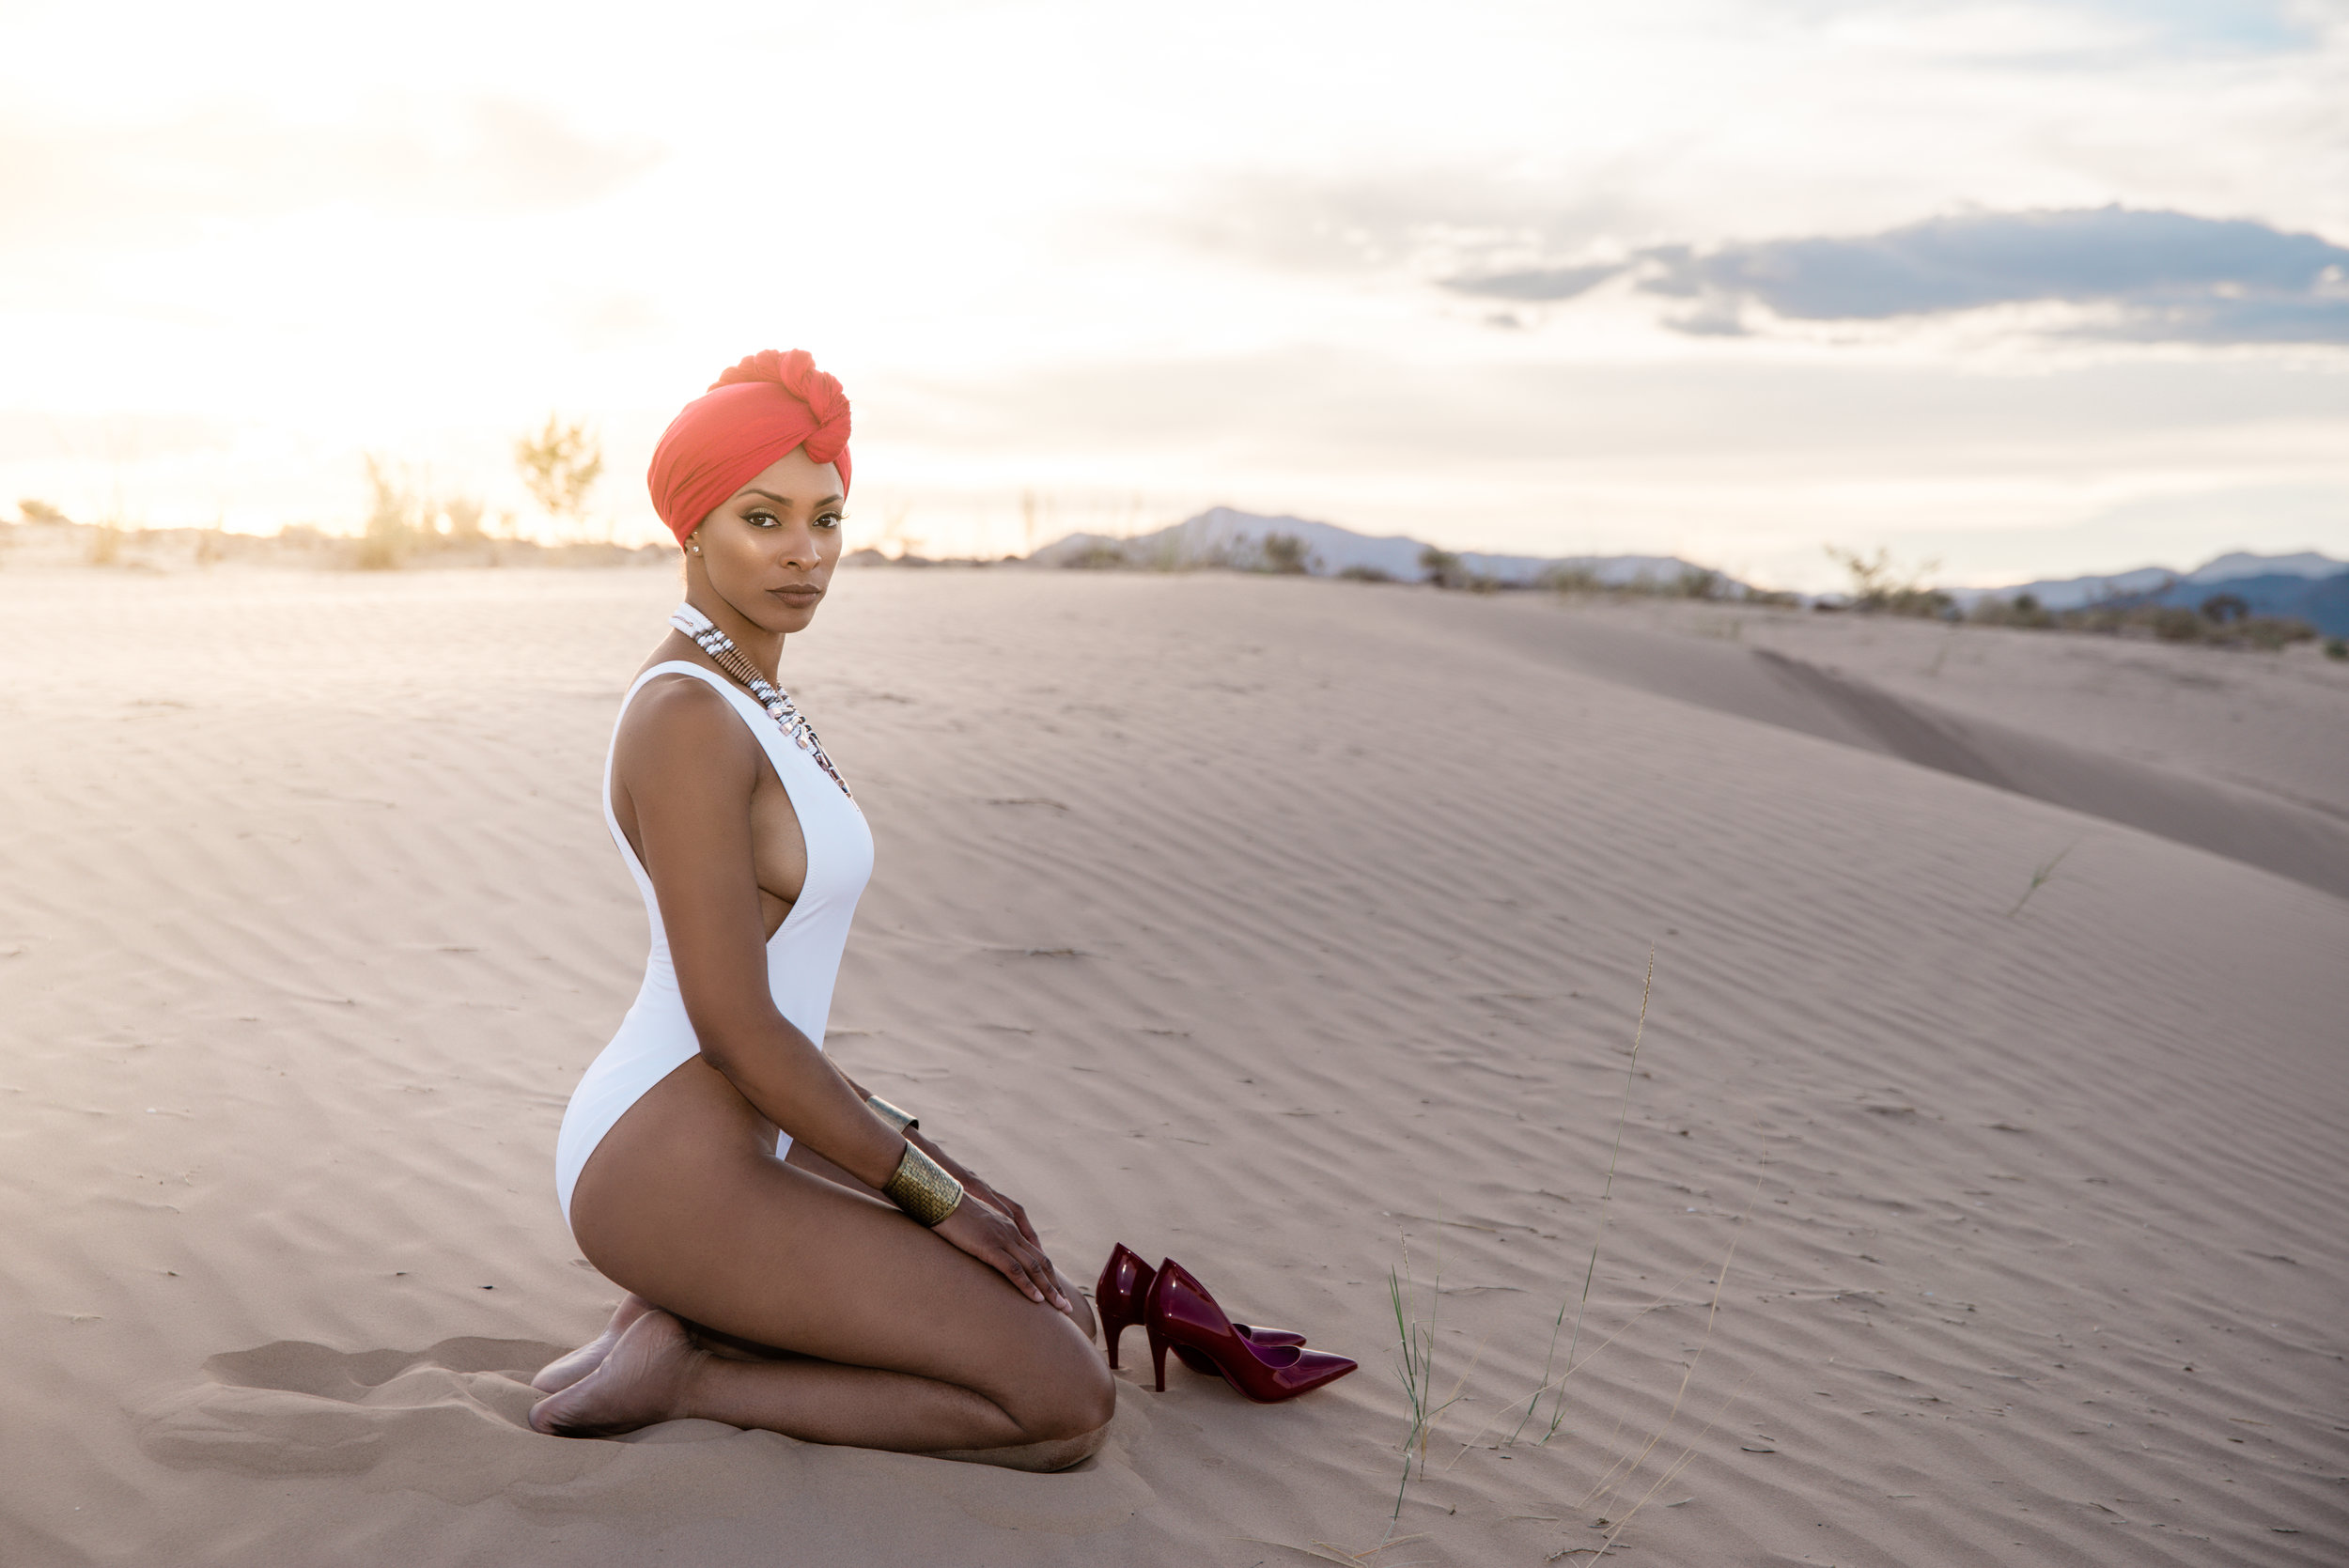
[799,1255]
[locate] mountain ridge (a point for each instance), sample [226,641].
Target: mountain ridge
[1224,535]
[2298,583]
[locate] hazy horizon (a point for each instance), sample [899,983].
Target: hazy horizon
[2032,291]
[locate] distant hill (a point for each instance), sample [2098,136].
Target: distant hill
[2321,601]
[2311,586]
[2073,593]
[1224,536]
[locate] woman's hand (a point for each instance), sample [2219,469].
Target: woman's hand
[983,1232]
[978,1188]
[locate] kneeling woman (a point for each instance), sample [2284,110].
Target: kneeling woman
[799,1256]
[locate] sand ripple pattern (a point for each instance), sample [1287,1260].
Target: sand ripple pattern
[1274,925]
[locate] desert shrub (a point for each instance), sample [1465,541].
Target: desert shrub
[2174,623]
[559,466]
[1569,580]
[1447,571]
[2268,632]
[1877,587]
[2022,610]
[2223,608]
[1101,555]
[391,529]
[1286,554]
[2337,647]
[1365,574]
[40,511]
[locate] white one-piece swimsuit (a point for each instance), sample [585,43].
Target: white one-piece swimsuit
[803,956]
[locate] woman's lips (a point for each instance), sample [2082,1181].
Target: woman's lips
[806,592]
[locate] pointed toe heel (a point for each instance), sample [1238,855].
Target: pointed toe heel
[1178,1312]
[1117,1300]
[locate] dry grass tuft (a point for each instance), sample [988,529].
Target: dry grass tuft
[1416,1357]
[1590,1272]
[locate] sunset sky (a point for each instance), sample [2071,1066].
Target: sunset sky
[2028,289]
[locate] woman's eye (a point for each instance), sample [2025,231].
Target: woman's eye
[830,520]
[760,519]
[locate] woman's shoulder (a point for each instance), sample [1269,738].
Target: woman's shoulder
[677,718]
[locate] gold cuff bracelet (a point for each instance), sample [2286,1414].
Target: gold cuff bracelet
[923,1188]
[898,1120]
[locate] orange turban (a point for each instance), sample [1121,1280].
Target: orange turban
[752,415]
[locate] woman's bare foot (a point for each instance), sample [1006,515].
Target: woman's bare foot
[562,1373]
[641,1382]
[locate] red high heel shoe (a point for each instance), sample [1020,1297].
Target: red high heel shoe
[1178,1312]
[1117,1297]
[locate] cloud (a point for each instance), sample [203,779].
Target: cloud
[1420,220]
[1536,284]
[67,183]
[2145,276]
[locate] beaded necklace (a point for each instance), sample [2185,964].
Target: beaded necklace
[779,705]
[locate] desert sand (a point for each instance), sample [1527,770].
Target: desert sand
[1290,928]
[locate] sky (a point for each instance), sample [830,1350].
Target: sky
[2019,290]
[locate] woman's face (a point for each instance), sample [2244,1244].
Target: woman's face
[769,551]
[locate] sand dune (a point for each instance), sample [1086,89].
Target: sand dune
[2273,796]
[1275,925]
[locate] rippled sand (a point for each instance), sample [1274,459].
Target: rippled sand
[1275,925]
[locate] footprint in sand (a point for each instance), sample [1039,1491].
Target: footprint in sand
[451,1420]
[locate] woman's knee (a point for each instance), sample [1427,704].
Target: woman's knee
[1077,1450]
[1056,1453]
[1075,1400]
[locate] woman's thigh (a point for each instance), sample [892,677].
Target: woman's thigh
[802,1157]
[683,1206]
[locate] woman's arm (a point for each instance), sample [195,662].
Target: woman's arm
[688,769]
[977,1186]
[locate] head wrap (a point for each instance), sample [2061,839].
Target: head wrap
[752,415]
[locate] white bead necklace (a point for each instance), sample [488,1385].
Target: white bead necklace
[778,703]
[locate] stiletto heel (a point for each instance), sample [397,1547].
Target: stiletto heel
[1118,1296]
[1179,1312]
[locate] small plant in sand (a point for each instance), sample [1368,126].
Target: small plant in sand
[1416,1355]
[1590,1272]
[1415,1363]
[2040,877]
[559,466]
